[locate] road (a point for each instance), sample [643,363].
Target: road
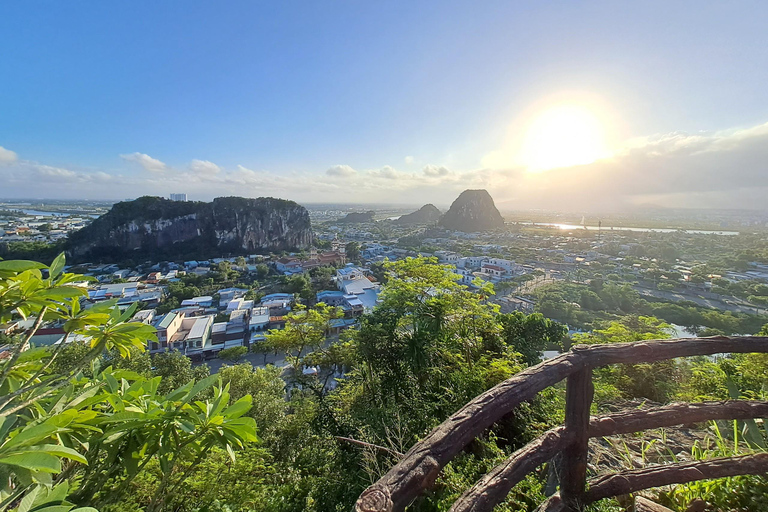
[260,359]
[722,304]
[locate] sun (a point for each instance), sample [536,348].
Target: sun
[563,136]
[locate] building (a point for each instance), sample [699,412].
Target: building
[167,326]
[178,197]
[354,282]
[493,272]
[289,265]
[447,257]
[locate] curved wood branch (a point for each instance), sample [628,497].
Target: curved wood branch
[422,463]
[635,420]
[493,488]
[626,482]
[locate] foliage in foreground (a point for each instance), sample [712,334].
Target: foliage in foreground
[80,433]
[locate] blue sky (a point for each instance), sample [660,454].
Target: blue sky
[373,101]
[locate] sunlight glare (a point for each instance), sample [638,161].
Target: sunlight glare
[563,136]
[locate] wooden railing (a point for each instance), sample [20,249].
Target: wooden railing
[419,468]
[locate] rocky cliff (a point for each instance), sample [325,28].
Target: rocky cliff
[473,210]
[427,214]
[156,227]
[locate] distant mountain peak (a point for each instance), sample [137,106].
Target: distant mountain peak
[427,214]
[473,210]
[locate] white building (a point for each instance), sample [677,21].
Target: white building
[178,197]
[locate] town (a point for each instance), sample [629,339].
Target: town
[201,307]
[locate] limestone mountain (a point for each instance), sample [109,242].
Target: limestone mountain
[358,217]
[427,214]
[153,226]
[473,210]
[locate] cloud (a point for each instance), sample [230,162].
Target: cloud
[727,169]
[7,156]
[387,172]
[409,160]
[147,162]
[702,170]
[53,172]
[435,171]
[204,167]
[341,171]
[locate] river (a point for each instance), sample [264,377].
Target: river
[567,227]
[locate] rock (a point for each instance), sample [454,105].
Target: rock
[697,505]
[157,227]
[427,214]
[473,210]
[645,505]
[358,217]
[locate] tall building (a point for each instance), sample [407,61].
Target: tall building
[178,197]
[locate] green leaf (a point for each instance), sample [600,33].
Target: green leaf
[30,435]
[34,461]
[61,451]
[20,265]
[57,266]
[239,408]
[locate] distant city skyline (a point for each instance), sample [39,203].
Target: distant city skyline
[581,106]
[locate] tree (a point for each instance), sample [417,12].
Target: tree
[175,369]
[531,334]
[352,250]
[106,423]
[305,330]
[233,354]
[262,271]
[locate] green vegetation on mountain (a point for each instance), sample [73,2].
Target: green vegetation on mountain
[473,210]
[177,230]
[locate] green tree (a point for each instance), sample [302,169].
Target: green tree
[105,423]
[531,334]
[305,330]
[352,250]
[175,369]
[233,354]
[262,271]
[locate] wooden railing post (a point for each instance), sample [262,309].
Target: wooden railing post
[578,401]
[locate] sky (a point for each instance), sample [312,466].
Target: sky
[579,105]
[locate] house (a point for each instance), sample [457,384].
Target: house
[509,266]
[289,265]
[493,272]
[167,326]
[199,335]
[447,257]
[204,301]
[331,297]
[227,295]
[145,316]
[353,281]
[259,321]
[239,303]
[277,303]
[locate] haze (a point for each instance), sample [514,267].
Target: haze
[585,106]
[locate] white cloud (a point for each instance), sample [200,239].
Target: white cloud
[7,156]
[204,167]
[409,160]
[387,172]
[341,171]
[727,169]
[435,171]
[147,162]
[54,172]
